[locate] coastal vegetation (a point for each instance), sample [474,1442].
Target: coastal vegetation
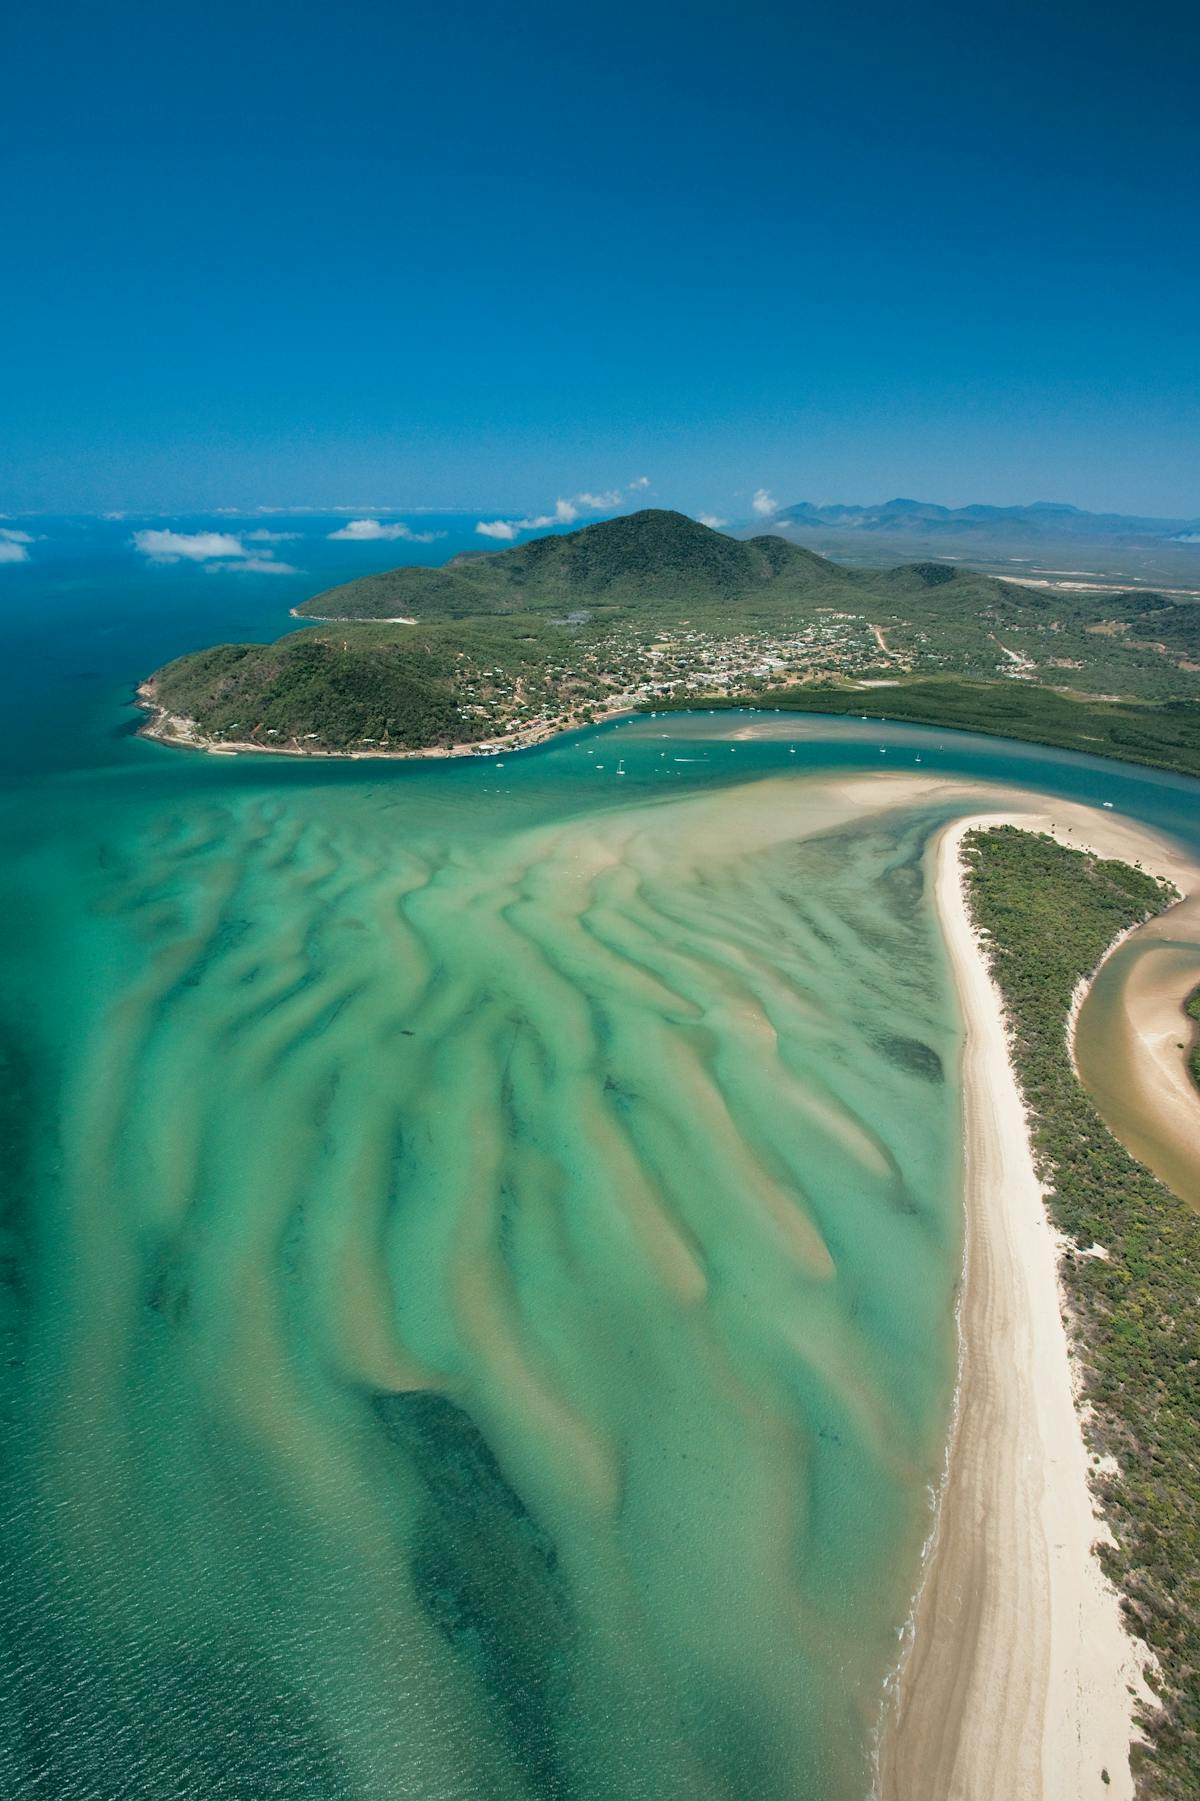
[1165,736]
[1130,1268]
[656,610]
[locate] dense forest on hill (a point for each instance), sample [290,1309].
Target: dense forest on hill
[655,609]
[650,560]
[1049,914]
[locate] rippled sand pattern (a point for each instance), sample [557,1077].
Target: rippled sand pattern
[479,1299]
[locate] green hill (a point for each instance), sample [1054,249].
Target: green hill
[653,556]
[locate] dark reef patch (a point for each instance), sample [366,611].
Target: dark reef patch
[488,1575]
[918,1058]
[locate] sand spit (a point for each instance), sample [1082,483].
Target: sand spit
[1019,1681]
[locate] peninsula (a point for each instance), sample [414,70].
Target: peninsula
[653,610]
[1055,1635]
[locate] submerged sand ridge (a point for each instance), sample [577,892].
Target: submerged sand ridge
[501,1283]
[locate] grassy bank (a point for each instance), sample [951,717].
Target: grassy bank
[1165,735]
[1050,913]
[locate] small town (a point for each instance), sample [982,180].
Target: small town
[623,671]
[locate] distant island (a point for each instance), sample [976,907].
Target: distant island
[654,610]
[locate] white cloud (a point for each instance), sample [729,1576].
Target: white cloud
[264,537]
[367,531]
[15,544]
[194,547]
[566,512]
[639,481]
[711,520]
[252,566]
[764,504]
[216,550]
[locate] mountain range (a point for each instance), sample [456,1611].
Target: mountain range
[1049,520]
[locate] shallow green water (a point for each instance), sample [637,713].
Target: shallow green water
[481,1287]
[479,1262]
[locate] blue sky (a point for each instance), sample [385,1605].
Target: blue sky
[464,256]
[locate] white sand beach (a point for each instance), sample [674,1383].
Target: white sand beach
[1019,1682]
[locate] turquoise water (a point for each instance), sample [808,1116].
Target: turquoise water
[480,1246]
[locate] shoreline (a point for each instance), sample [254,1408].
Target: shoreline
[343,619]
[1018,1680]
[188,739]
[164,727]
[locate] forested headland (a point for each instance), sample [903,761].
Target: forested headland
[655,610]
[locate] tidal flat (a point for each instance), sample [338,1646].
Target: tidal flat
[480,1269]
